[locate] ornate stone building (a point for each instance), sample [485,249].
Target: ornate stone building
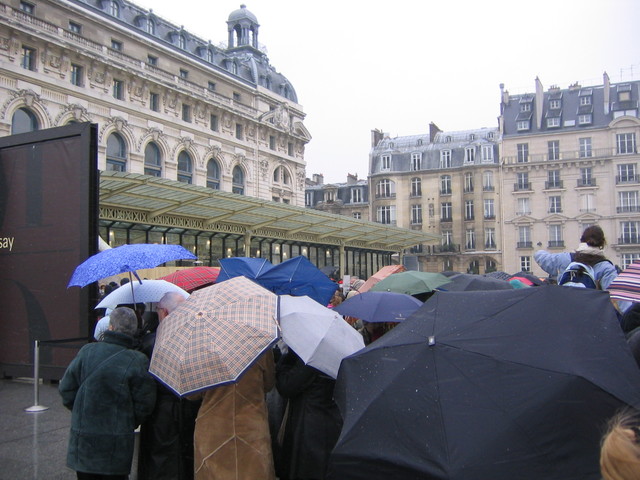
[570,160]
[168,104]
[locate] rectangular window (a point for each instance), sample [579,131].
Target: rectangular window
[416,214]
[489,210]
[236,97]
[151,60]
[357,215]
[308,199]
[468,210]
[468,182]
[553,179]
[490,237]
[553,122]
[356,195]
[523,152]
[186,113]
[272,142]
[585,147]
[469,155]
[584,119]
[555,204]
[554,104]
[118,89]
[585,100]
[524,236]
[522,125]
[213,122]
[385,162]
[387,214]
[239,132]
[626,143]
[184,74]
[470,239]
[211,86]
[75,27]
[28,61]
[445,158]
[416,187]
[487,153]
[446,211]
[116,45]
[588,203]
[628,202]
[629,258]
[76,75]
[553,148]
[523,206]
[525,263]
[522,181]
[445,185]
[525,107]
[416,161]
[447,237]
[154,102]
[27,7]
[629,232]
[555,236]
[290,149]
[626,173]
[487,181]
[586,177]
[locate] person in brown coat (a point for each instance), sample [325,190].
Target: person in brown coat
[231,439]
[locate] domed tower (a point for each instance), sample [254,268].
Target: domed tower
[243,28]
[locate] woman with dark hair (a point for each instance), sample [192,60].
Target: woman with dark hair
[590,251]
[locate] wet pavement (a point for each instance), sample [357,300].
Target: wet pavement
[33,445]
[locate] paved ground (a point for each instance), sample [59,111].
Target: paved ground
[33,446]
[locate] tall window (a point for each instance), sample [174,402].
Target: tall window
[626,143]
[213,174]
[470,155]
[490,237]
[28,61]
[487,153]
[525,263]
[186,112]
[281,175]
[586,177]
[555,204]
[76,75]
[585,147]
[308,199]
[487,181]
[386,214]
[416,161]
[23,121]
[152,160]
[445,185]
[118,89]
[445,158]
[114,9]
[588,202]
[185,167]
[555,236]
[154,102]
[628,202]
[237,181]
[385,162]
[468,182]
[553,147]
[27,7]
[470,239]
[116,153]
[416,214]
[629,232]
[489,210]
[523,152]
[446,211]
[524,236]
[468,210]
[416,187]
[626,173]
[213,122]
[447,237]
[522,181]
[385,188]
[553,179]
[356,195]
[239,134]
[523,206]
[182,42]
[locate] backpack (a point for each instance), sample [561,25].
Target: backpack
[578,275]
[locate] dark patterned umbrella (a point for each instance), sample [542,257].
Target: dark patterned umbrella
[194,277]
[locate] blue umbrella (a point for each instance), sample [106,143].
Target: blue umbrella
[242,266]
[379,306]
[126,258]
[297,277]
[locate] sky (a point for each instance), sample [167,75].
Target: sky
[399,65]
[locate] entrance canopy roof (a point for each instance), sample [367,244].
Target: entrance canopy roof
[142,199]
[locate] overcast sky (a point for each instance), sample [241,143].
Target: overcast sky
[399,65]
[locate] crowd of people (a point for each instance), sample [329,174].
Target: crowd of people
[279,420]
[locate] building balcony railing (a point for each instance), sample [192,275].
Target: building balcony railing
[490,245]
[587,210]
[591,182]
[528,212]
[627,179]
[524,245]
[554,210]
[490,216]
[446,191]
[584,154]
[556,243]
[470,246]
[469,218]
[553,185]
[629,240]
[467,190]
[385,195]
[520,187]
[488,188]
[446,219]
[448,248]
[628,209]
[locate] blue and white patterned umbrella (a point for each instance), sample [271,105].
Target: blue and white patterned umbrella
[126,258]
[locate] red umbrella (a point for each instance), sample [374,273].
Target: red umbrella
[192,278]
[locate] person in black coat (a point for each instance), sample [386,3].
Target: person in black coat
[313,421]
[166,438]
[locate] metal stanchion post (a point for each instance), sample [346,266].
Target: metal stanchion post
[36,381]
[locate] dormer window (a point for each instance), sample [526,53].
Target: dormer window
[385,162]
[585,100]
[522,125]
[554,104]
[114,9]
[182,42]
[472,137]
[553,122]
[447,139]
[525,107]
[151,27]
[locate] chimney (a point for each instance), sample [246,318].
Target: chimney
[607,93]
[539,102]
[376,137]
[352,179]
[433,131]
[318,178]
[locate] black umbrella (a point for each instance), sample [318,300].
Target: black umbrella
[495,385]
[464,282]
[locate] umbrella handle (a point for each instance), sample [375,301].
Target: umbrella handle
[133,297]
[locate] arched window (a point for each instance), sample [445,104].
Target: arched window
[210,56]
[281,175]
[151,26]
[114,9]
[234,68]
[182,42]
[23,121]
[152,160]
[184,167]
[238,181]
[213,174]
[116,153]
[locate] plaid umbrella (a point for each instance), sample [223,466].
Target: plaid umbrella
[194,277]
[626,285]
[213,337]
